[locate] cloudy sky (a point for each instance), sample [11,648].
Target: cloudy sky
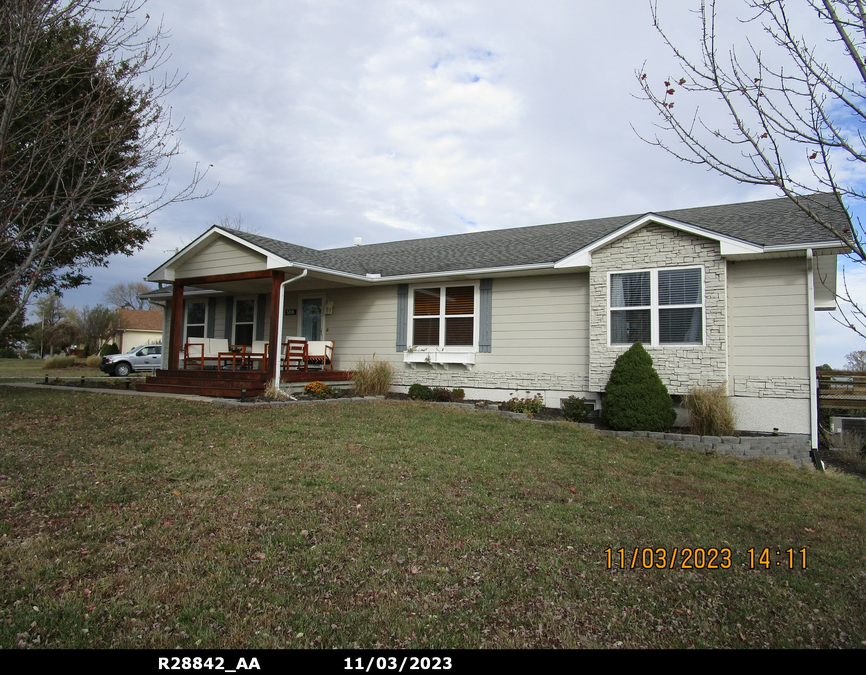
[326,120]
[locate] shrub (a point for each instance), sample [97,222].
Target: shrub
[441,394]
[530,406]
[420,392]
[373,378]
[635,398]
[575,409]
[319,390]
[457,395]
[711,411]
[60,362]
[108,349]
[93,361]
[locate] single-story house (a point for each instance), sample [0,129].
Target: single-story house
[138,327]
[720,294]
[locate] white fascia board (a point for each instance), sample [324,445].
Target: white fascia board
[729,245]
[165,272]
[803,247]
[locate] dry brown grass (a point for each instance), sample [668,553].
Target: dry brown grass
[373,378]
[711,411]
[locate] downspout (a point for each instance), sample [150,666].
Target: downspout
[280,325]
[813,384]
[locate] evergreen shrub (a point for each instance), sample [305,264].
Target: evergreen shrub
[635,398]
[420,392]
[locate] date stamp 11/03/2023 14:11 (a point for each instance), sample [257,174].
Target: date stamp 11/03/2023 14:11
[688,558]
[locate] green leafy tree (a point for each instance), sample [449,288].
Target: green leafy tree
[85,140]
[13,337]
[635,397]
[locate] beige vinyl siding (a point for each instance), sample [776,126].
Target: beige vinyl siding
[768,326]
[219,326]
[539,324]
[363,323]
[221,257]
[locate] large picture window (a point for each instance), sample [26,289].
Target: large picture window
[657,307]
[443,316]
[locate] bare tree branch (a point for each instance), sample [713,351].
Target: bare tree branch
[788,119]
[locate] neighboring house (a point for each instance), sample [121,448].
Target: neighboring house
[716,294]
[138,327]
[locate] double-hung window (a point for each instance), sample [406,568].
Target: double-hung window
[657,307]
[443,317]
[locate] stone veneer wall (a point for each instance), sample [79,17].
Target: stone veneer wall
[652,247]
[771,387]
[457,376]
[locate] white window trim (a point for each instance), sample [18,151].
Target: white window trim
[441,348]
[187,324]
[654,308]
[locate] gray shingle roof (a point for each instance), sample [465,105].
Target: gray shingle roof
[765,223]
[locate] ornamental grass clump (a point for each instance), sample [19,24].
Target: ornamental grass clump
[372,378]
[711,411]
[635,398]
[60,362]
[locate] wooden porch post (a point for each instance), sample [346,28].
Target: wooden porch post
[176,329]
[277,278]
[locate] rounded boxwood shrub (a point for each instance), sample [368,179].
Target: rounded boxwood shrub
[420,392]
[635,398]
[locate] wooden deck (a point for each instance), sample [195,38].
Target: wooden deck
[842,390]
[232,384]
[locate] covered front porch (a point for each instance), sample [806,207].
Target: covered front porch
[235,313]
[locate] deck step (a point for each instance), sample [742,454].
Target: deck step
[230,384]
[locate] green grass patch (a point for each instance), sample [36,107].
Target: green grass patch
[159,523]
[21,370]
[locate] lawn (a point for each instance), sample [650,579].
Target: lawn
[160,523]
[20,370]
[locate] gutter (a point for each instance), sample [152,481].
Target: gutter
[280,325]
[813,383]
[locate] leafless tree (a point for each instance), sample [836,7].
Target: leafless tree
[85,139]
[783,110]
[856,361]
[126,296]
[94,325]
[237,223]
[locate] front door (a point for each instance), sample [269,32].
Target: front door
[311,318]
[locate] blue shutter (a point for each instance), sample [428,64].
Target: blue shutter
[211,316]
[230,317]
[402,316]
[485,320]
[261,306]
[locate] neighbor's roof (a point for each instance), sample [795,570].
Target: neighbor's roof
[774,222]
[140,319]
